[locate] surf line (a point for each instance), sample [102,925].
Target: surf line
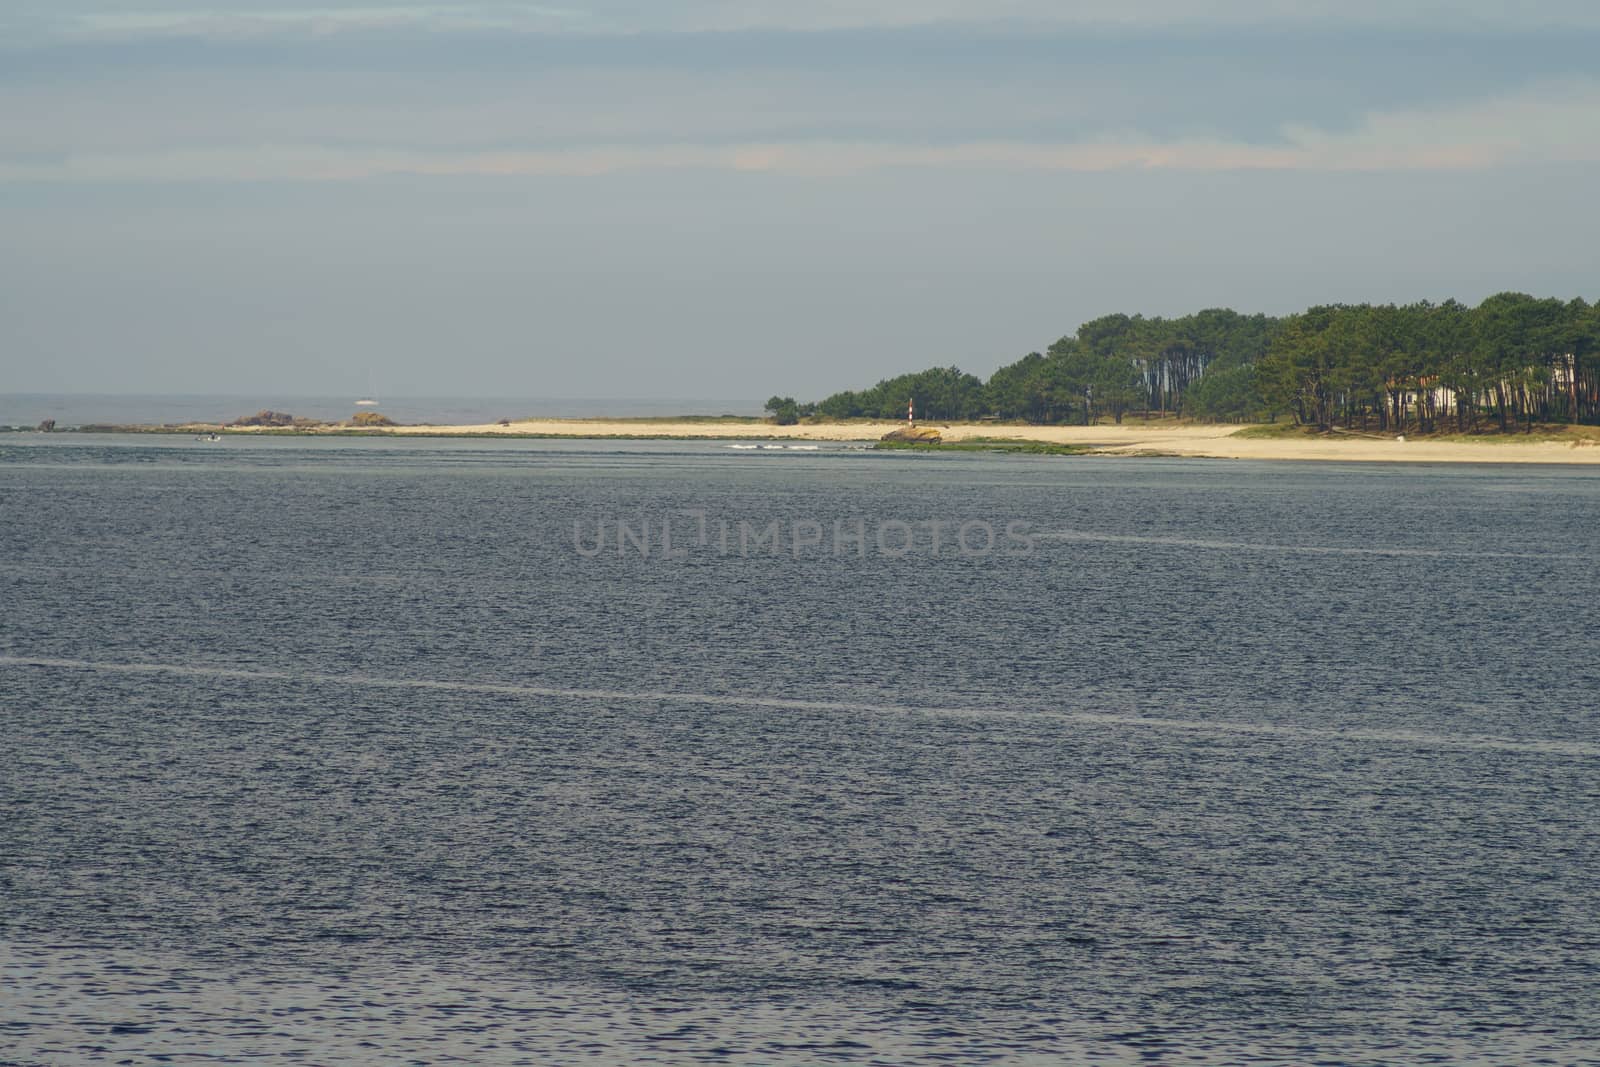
[654,696]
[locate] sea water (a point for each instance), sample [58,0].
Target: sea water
[370,751]
[28,410]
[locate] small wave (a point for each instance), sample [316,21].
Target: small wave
[1418,739]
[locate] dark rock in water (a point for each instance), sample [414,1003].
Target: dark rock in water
[265,417]
[370,418]
[47,426]
[278,420]
[916,435]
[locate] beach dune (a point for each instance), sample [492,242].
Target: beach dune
[1132,437]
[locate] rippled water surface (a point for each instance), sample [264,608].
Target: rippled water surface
[359,751]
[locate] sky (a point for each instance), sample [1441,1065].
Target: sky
[721,199]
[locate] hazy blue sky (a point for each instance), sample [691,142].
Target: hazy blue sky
[723,199]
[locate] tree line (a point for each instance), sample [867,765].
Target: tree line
[1509,363]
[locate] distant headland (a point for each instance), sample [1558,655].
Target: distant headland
[1514,379]
[1514,363]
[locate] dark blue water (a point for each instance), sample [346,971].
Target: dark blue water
[358,751]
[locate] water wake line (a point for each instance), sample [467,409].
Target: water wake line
[661,696]
[1314,550]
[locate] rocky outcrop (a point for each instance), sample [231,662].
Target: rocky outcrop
[278,420]
[370,418]
[265,417]
[914,435]
[47,426]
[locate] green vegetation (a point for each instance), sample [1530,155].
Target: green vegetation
[1511,363]
[940,393]
[785,412]
[1110,367]
[1271,430]
[987,444]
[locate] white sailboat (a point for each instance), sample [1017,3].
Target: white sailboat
[370,400]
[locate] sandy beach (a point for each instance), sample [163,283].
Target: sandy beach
[1133,437]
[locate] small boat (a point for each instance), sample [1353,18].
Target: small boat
[370,400]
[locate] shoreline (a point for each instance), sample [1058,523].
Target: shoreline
[1134,437]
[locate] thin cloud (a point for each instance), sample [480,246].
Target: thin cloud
[1553,122]
[221,18]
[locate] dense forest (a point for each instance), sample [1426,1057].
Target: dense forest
[1509,363]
